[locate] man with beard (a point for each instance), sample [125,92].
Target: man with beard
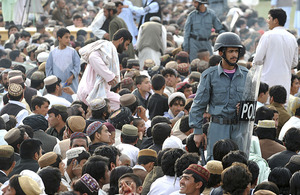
[103,70]
[221,88]
[4,83]
[100,111]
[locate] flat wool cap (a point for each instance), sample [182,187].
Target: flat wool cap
[147,152]
[47,159]
[6,151]
[97,104]
[76,123]
[129,130]
[110,5]
[13,73]
[12,135]
[16,79]
[29,186]
[59,107]
[38,76]
[127,99]
[214,167]
[50,80]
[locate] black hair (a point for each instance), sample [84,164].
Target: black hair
[96,166]
[169,71]
[128,139]
[81,32]
[281,177]
[186,85]
[80,187]
[267,185]
[27,129]
[114,178]
[293,77]
[74,110]
[184,162]
[266,133]
[278,14]
[6,163]
[189,104]
[111,152]
[25,34]
[51,177]
[136,121]
[15,98]
[36,83]
[124,91]
[64,115]
[177,99]
[83,105]
[234,156]
[5,63]
[143,160]
[76,16]
[291,139]
[158,81]
[11,123]
[223,147]
[29,147]
[197,178]
[92,136]
[122,33]
[38,101]
[61,32]
[84,155]
[137,180]
[83,137]
[297,112]
[18,141]
[2,123]
[263,88]
[235,179]
[52,88]
[139,79]
[254,169]
[168,161]
[99,114]
[294,184]
[160,132]
[279,93]
[214,60]
[133,106]
[14,183]
[14,54]
[184,124]
[263,113]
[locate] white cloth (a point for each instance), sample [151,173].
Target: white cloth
[57,100]
[259,104]
[97,24]
[141,11]
[277,50]
[22,114]
[101,192]
[139,167]
[292,122]
[164,185]
[131,151]
[2,134]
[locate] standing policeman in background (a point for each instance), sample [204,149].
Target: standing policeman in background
[221,88]
[198,27]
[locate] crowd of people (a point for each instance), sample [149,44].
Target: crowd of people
[147,97]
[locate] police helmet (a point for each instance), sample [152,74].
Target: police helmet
[227,39]
[202,1]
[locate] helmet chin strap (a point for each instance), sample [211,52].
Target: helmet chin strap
[226,60]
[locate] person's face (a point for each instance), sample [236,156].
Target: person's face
[170,80]
[123,46]
[8,190]
[177,107]
[265,97]
[65,40]
[78,22]
[188,91]
[43,110]
[61,167]
[20,58]
[5,80]
[276,119]
[105,135]
[232,54]
[61,4]
[53,120]
[188,185]
[125,183]
[107,13]
[119,9]
[118,162]
[141,126]
[295,86]
[79,142]
[107,176]
[112,138]
[145,86]
[196,4]
[271,22]
[13,31]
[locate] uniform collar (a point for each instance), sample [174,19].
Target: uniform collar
[237,71]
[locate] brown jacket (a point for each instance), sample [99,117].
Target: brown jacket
[269,147]
[283,116]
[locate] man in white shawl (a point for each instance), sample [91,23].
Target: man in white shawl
[103,69]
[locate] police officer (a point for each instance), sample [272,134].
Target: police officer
[221,88]
[198,27]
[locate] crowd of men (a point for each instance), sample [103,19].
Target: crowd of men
[146,99]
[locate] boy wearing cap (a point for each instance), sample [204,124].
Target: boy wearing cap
[67,68]
[100,110]
[176,102]
[7,162]
[146,161]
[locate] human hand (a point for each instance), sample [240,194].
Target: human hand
[141,112]
[68,90]
[126,189]
[200,139]
[106,36]
[113,82]
[76,168]
[70,80]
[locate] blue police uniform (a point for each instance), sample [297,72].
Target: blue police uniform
[221,94]
[197,31]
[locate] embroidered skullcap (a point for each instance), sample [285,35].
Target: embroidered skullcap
[76,123]
[97,104]
[110,5]
[90,182]
[127,99]
[147,152]
[164,58]
[16,79]
[110,127]
[47,159]
[93,127]
[38,76]
[127,81]
[172,64]
[15,89]
[74,152]
[35,36]
[14,73]
[43,47]
[28,185]
[31,47]
[12,135]
[183,67]
[129,130]
[149,63]
[50,80]
[195,62]
[6,151]
[266,124]
[77,135]
[21,44]
[174,95]
[176,51]
[182,54]
[199,170]
[42,57]
[214,167]
[182,84]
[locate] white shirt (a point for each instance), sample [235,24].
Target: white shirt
[57,100]
[277,50]
[22,114]
[164,185]
[292,122]
[139,167]
[131,151]
[141,11]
